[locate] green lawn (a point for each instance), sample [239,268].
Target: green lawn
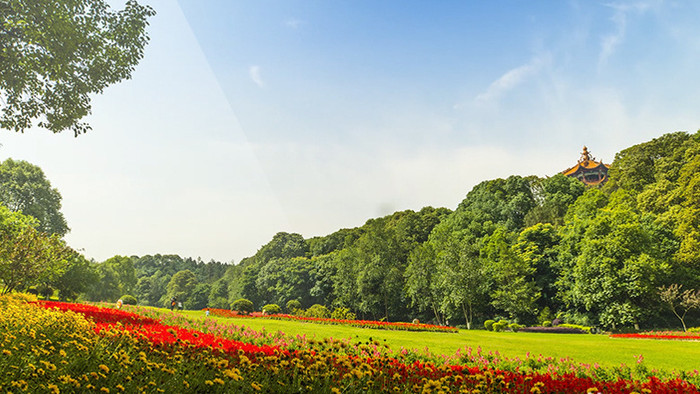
[668,355]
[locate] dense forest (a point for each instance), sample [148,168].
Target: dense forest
[527,249]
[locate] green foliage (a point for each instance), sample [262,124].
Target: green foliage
[611,263]
[553,196]
[271,309]
[500,325]
[198,298]
[181,285]
[218,295]
[129,299]
[488,324]
[27,256]
[515,247]
[243,306]
[514,290]
[24,188]
[76,279]
[586,329]
[546,323]
[342,313]
[515,327]
[125,275]
[293,305]
[57,54]
[317,310]
[544,316]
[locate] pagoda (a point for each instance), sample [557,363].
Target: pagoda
[588,170]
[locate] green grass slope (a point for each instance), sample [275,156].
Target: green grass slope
[583,348]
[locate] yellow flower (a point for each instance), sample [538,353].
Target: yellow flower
[256,386]
[218,381]
[233,373]
[54,389]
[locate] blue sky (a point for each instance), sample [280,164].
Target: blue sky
[247,118]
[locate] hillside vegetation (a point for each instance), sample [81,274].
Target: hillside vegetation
[526,249]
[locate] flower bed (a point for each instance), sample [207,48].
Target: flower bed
[352,323]
[52,348]
[666,335]
[553,330]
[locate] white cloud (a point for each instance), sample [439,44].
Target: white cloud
[254,72]
[610,42]
[512,79]
[293,23]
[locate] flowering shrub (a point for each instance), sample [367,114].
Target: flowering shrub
[49,347]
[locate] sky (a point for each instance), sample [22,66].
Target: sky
[252,117]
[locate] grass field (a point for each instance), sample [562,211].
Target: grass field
[583,348]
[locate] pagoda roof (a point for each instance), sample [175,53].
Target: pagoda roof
[585,163]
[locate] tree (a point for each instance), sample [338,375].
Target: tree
[27,256]
[514,290]
[553,196]
[106,288]
[24,188]
[181,285]
[123,268]
[198,298]
[218,295]
[55,54]
[679,302]
[76,279]
[612,260]
[422,286]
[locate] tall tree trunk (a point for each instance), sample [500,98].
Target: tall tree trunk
[436,312]
[467,310]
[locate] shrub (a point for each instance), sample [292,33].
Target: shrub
[219,303]
[545,315]
[585,329]
[546,323]
[500,325]
[488,324]
[242,305]
[293,305]
[271,309]
[317,310]
[553,330]
[129,299]
[694,329]
[343,313]
[44,290]
[515,327]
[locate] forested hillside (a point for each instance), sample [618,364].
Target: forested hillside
[523,248]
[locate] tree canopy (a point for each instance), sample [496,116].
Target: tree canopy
[24,188]
[27,256]
[55,54]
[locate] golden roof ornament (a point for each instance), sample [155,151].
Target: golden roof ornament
[588,170]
